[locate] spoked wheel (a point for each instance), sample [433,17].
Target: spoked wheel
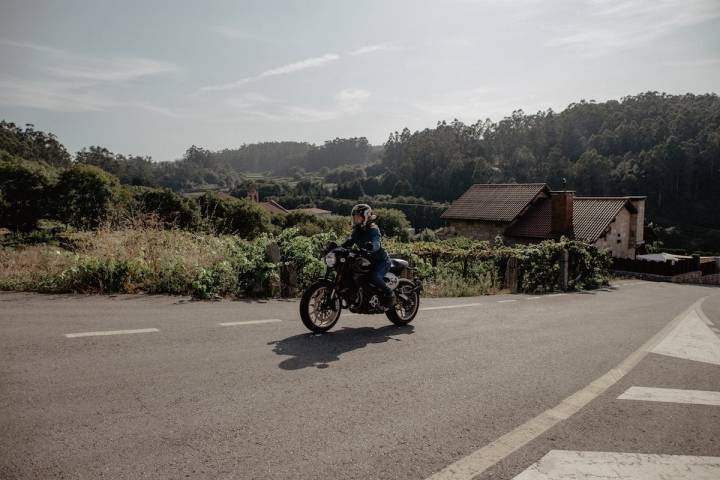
[407,306]
[318,311]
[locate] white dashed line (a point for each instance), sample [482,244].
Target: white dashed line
[250,322]
[556,295]
[110,332]
[671,395]
[592,465]
[506,301]
[464,305]
[533,298]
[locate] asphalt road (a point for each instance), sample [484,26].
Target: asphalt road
[189,398]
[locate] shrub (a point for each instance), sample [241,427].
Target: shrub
[217,281]
[24,189]
[85,196]
[393,223]
[102,275]
[171,208]
[226,214]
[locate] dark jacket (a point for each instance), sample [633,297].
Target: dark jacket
[370,240]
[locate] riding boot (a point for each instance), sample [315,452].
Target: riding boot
[388,301]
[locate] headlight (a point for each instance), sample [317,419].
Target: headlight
[330,259]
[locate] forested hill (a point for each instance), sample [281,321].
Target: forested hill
[664,146]
[289,157]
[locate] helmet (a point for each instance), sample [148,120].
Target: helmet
[365,211]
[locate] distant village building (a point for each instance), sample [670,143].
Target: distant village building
[274,207]
[529,213]
[271,207]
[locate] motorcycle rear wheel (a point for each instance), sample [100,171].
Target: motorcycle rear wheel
[404,311]
[318,313]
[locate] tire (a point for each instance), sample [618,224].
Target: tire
[397,314]
[308,305]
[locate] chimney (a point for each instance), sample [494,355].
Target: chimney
[562,212]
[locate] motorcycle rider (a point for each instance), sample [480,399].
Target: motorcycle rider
[366,235]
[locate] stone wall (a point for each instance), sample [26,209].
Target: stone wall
[478,230]
[617,240]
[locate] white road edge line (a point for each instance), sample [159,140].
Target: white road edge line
[480,460]
[249,322]
[533,298]
[556,295]
[444,307]
[110,332]
[671,395]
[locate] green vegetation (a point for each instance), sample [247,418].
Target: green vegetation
[174,261]
[103,221]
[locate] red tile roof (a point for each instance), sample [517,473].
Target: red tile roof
[273,207]
[494,202]
[593,215]
[535,223]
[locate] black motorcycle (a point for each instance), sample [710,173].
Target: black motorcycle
[346,285]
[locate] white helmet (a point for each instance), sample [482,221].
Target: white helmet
[365,211]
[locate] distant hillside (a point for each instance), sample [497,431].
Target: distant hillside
[286,157]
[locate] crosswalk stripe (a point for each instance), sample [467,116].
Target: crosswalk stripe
[671,395]
[578,465]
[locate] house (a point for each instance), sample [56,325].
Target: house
[271,206]
[529,213]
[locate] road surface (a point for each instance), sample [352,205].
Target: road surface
[501,387]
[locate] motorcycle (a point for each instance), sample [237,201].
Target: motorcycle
[346,286]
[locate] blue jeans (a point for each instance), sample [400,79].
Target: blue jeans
[376,275]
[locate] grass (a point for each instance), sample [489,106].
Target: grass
[151,259]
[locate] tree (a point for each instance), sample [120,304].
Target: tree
[32,144]
[24,189]
[591,174]
[86,195]
[352,190]
[171,208]
[226,214]
[393,223]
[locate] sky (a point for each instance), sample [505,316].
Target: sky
[154,77]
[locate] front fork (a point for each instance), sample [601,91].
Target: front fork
[333,292]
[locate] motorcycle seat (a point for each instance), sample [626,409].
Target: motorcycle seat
[398,264]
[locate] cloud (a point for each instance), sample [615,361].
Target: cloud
[231,32]
[73,81]
[475,104]
[301,65]
[312,62]
[68,96]
[114,69]
[378,47]
[697,63]
[610,25]
[351,100]
[52,95]
[346,102]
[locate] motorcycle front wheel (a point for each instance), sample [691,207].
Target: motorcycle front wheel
[319,313]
